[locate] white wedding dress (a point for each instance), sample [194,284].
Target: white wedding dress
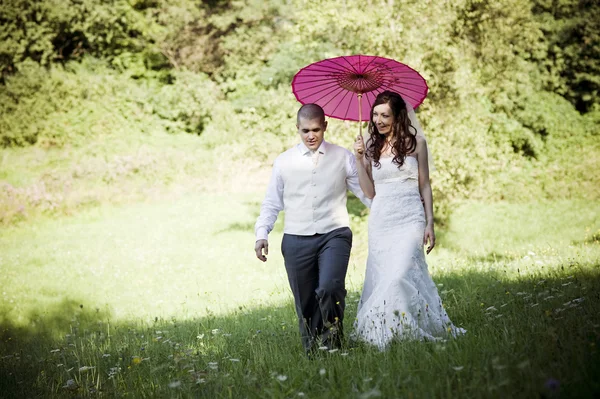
[399,298]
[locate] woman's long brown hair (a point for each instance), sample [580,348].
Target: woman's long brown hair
[405,141]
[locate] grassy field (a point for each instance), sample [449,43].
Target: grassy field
[166,299]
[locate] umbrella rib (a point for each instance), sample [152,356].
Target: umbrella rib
[325,94]
[338,104]
[316,84]
[394,64]
[408,79]
[395,88]
[341,67]
[403,70]
[403,94]
[389,83]
[402,86]
[374,62]
[407,82]
[334,61]
[403,89]
[322,86]
[371,62]
[351,67]
[324,69]
[317,78]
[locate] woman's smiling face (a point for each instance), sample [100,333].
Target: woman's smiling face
[383,119]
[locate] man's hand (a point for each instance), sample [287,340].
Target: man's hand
[429,236]
[258,248]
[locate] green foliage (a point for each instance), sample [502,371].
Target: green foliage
[572,67]
[502,77]
[81,101]
[47,31]
[185,103]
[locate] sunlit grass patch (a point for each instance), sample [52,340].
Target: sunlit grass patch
[166,299]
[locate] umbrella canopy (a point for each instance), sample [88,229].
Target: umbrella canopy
[346,87]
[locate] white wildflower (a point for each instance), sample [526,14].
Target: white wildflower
[373,393]
[213,365]
[523,364]
[175,384]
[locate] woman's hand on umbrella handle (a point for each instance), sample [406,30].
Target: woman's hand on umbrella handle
[359,146]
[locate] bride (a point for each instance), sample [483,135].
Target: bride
[399,299]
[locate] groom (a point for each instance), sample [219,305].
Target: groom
[309,183]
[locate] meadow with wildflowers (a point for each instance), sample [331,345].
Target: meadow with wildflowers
[165,299]
[136,139]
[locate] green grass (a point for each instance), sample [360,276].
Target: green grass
[166,299]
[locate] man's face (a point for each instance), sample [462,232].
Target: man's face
[311,131]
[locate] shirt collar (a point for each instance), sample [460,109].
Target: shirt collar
[304,149]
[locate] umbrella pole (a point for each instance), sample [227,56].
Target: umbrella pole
[359,95]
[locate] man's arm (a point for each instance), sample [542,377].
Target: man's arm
[352,181]
[271,206]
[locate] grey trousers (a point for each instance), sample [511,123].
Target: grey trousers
[316,267]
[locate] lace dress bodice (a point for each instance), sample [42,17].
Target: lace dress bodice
[388,171]
[397,199]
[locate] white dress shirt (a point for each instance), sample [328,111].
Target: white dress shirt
[311,189]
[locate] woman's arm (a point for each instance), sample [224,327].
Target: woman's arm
[363,167]
[425,190]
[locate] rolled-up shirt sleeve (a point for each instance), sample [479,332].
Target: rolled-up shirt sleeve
[271,206]
[352,180]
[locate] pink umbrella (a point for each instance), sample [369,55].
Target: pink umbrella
[335,82]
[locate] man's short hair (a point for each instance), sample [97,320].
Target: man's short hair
[310,111]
